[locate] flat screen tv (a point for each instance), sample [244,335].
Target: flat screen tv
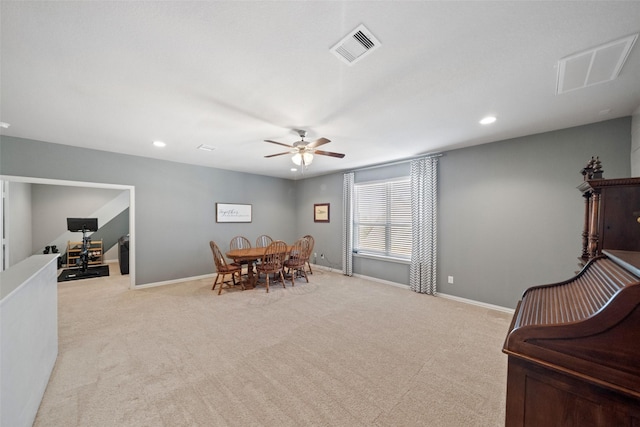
[82,224]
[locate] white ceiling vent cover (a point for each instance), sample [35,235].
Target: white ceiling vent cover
[598,65]
[205,147]
[356,45]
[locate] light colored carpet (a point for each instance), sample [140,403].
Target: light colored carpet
[338,351]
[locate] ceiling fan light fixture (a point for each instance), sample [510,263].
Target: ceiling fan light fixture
[308,158]
[302,158]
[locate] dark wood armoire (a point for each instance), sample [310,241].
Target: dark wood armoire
[574,347]
[611,215]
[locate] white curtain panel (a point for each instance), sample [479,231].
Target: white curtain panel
[424,207]
[347,224]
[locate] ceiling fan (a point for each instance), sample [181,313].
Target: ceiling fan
[303,151]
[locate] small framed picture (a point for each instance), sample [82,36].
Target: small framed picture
[321,212]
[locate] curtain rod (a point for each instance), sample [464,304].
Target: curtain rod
[398,162]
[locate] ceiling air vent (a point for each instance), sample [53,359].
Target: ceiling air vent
[356,45]
[205,147]
[598,65]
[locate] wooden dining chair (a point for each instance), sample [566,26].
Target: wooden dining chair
[272,262]
[312,242]
[241,242]
[263,241]
[222,268]
[296,260]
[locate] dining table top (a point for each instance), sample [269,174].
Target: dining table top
[249,253]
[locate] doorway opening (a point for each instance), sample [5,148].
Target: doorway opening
[128,192]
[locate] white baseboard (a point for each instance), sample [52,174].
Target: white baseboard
[386,282]
[334,270]
[171,282]
[326,268]
[447,296]
[477,303]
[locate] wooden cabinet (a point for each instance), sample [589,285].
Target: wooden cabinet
[612,216]
[573,349]
[75,248]
[542,397]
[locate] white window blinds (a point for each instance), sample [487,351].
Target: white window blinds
[382,219]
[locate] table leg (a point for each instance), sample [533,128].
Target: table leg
[251,278]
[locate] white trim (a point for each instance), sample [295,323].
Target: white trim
[132,209]
[174,281]
[446,296]
[327,268]
[32,180]
[4,250]
[398,162]
[382,258]
[386,282]
[361,276]
[477,303]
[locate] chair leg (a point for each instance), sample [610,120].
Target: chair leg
[281,271]
[293,276]
[241,281]
[267,281]
[304,273]
[215,282]
[309,264]
[221,283]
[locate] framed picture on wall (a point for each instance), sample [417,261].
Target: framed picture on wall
[233,212]
[321,212]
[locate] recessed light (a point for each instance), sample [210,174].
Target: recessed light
[294,169]
[488,120]
[205,147]
[4,125]
[159,144]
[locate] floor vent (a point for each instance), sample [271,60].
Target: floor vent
[594,66]
[356,45]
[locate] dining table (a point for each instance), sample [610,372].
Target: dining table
[249,256]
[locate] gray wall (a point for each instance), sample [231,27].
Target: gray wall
[174,204]
[510,215]
[110,232]
[19,229]
[327,236]
[53,204]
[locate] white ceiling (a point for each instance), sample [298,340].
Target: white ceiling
[116,76]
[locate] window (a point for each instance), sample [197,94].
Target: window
[382,219]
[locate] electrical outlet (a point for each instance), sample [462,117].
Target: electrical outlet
[322,256]
[450,280]
[315,254]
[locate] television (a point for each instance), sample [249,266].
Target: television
[82,224]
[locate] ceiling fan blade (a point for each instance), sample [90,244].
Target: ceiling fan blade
[279,143]
[318,142]
[278,154]
[328,153]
